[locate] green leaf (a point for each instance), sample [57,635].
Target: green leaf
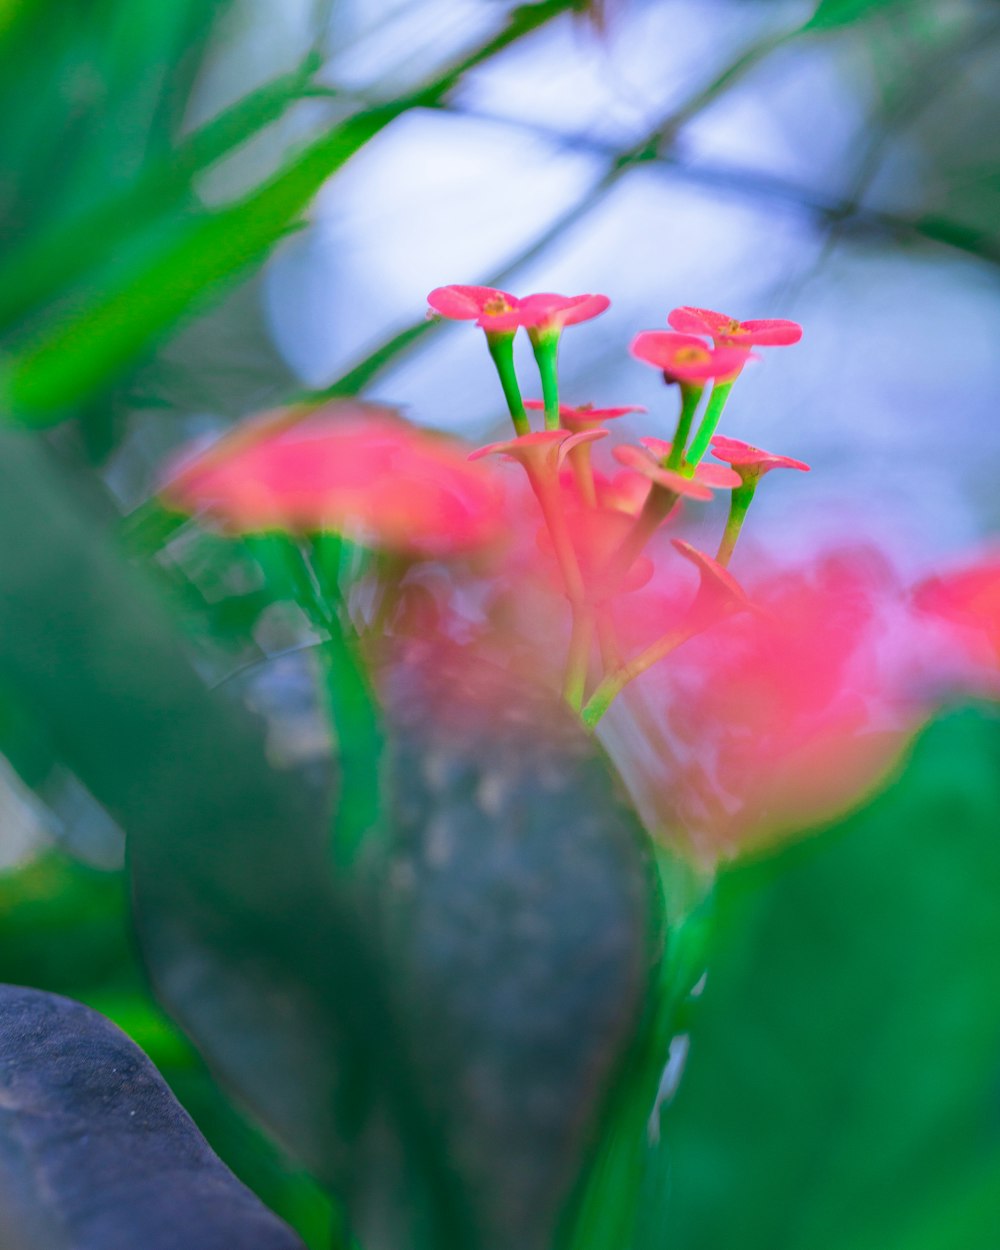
[841,1087]
[74,354]
[50,262]
[831,14]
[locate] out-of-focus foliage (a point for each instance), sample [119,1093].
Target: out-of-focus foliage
[841,1084]
[842,1073]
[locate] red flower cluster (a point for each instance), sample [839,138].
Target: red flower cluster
[348,468]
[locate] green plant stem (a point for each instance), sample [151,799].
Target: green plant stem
[739,503]
[502,351]
[709,422]
[347,695]
[546,349]
[690,399]
[578,660]
[615,682]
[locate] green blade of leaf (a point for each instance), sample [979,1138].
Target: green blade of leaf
[42,268]
[841,1085]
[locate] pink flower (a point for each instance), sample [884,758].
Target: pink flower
[541,452]
[684,358]
[750,462]
[727,331]
[646,460]
[485,305]
[718,591]
[968,598]
[499,311]
[585,415]
[548,313]
[792,710]
[349,468]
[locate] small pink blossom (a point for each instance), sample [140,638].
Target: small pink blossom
[718,590]
[684,358]
[728,332]
[546,312]
[541,452]
[751,463]
[498,311]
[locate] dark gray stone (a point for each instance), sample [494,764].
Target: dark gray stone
[95,1151]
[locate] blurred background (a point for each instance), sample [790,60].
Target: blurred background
[212,207]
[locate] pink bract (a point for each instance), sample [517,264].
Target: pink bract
[717,583]
[727,331]
[685,358]
[489,307]
[749,461]
[347,468]
[542,451]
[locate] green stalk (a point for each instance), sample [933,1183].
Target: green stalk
[575,686]
[615,682]
[349,700]
[501,347]
[546,349]
[690,398]
[716,403]
[741,499]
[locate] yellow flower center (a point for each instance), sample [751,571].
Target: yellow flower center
[496,306]
[731,328]
[692,355]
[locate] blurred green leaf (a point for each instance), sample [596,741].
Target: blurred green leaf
[844,1066]
[74,355]
[833,13]
[54,259]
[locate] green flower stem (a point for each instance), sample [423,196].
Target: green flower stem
[501,347]
[578,660]
[739,503]
[546,349]
[349,700]
[690,399]
[716,403]
[615,682]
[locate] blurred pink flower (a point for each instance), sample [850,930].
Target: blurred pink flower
[728,332]
[348,468]
[969,600]
[684,358]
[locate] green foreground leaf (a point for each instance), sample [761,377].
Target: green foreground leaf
[844,1066]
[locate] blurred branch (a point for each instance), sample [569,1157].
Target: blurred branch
[656,148]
